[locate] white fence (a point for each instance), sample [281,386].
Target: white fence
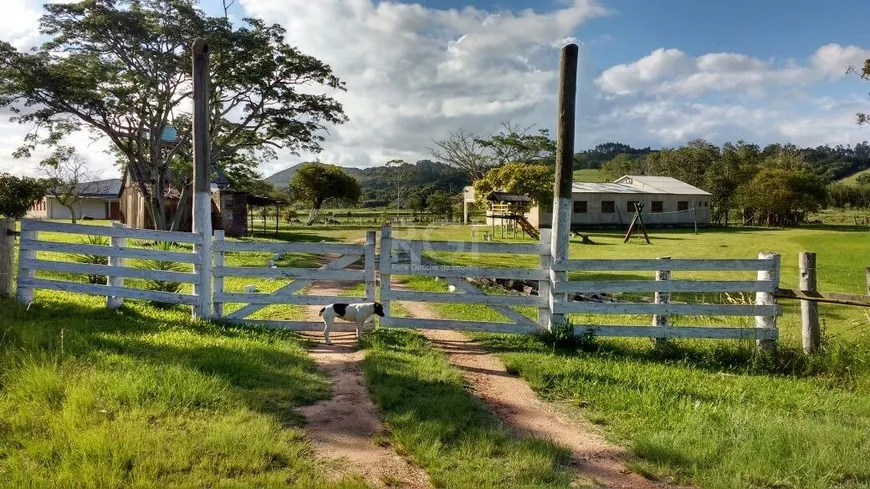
[342,256]
[117,269]
[552,278]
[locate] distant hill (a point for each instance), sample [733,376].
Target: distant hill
[375,181]
[283,177]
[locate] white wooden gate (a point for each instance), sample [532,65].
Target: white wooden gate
[342,256]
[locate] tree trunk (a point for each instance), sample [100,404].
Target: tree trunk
[315,211]
[72,213]
[183,210]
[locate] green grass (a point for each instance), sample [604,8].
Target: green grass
[590,175]
[714,413]
[142,397]
[853,178]
[445,429]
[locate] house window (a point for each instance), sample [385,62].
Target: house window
[657,206]
[608,207]
[629,207]
[683,205]
[579,207]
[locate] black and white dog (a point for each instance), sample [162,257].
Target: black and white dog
[355,313]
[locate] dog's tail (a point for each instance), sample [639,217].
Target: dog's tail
[320,313]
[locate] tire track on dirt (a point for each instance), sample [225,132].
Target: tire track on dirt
[593,459]
[344,428]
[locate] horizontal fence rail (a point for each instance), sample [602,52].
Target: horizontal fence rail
[281,247]
[451,298]
[630,265]
[117,269]
[711,332]
[307,273]
[114,231]
[628,308]
[470,247]
[594,286]
[463,271]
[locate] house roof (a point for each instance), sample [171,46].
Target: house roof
[640,184]
[107,189]
[508,197]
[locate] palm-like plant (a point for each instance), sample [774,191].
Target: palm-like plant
[163,265]
[94,259]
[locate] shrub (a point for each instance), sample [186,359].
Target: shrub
[94,259]
[162,265]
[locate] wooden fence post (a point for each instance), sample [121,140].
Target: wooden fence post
[218,281]
[386,263]
[867,275]
[7,257]
[370,266]
[661,320]
[117,242]
[562,202]
[202,178]
[810,329]
[766,298]
[544,289]
[25,293]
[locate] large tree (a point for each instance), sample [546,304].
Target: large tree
[313,183]
[122,69]
[463,150]
[536,181]
[515,143]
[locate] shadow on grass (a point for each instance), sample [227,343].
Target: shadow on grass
[838,363]
[269,376]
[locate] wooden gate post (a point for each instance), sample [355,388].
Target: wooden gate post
[661,320]
[810,330]
[218,281]
[370,266]
[202,178]
[25,293]
[117,242]
[7,257]
[544,289]
[561,234]
[767,299]
[386,265]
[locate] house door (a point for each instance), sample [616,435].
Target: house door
[114,211]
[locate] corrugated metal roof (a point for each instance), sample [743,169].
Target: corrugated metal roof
[606,188]
[662,185]
[100,188]
[640,184]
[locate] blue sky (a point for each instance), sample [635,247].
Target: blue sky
[653,72]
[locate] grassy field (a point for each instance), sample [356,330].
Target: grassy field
[853,179]
[136,393]
[590,175]
[714,413]
[143,397]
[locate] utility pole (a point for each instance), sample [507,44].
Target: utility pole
[561,233]
[201,178]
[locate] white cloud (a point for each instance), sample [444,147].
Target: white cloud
[19,24]
[672,71]
[415,73]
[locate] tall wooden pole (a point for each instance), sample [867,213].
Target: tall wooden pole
[561,233]
[202,177]
[7,257]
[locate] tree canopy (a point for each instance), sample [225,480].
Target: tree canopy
[313,183]
[534,180]
[122,69]
[17,194]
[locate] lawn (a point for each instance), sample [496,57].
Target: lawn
[144,397]
[714,413]
[446,430]
[590,175]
